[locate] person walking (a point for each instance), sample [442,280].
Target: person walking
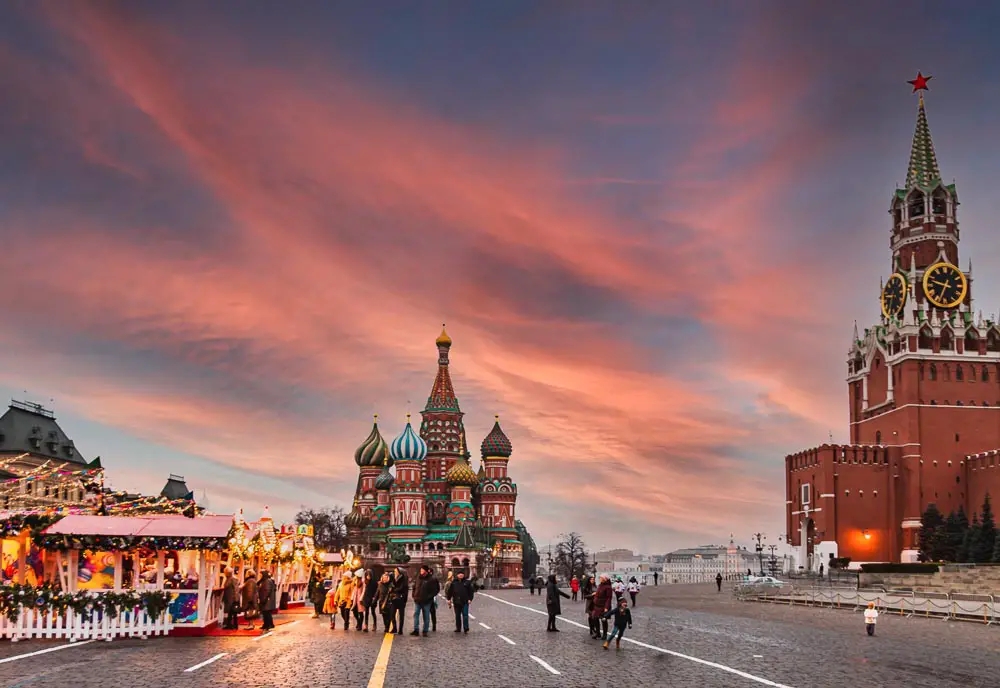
[588,599]
[552,602]
[459,595]
[357,598]
[871,617]
[248,595]
[230,601]
[602,604]
[317,595]
[821,570]
[574,586]
[267,599]
[619,588]
[368,601]
[633,589]
[383,598]
[434,600]
[718,581]
[425,587]
[623,618]
[531,585]
[400,595]
[656,578]
[344,600]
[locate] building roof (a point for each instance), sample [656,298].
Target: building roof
[176,488]
[923,170]
[145,526]
[442,396]
[32,429]
[464,538]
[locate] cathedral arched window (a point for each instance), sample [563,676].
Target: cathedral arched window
[933,372]
[878,437]
[915,204]
[959,373]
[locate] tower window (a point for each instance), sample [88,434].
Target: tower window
[933,373]
[947,340]
[916,205]
[986,374]
[959,373]
[878,437]
[939,203]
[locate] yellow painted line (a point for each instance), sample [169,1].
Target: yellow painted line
[381,662]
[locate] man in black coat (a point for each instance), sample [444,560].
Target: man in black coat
[552,602]
[460,594]
[400,594]
[425,588]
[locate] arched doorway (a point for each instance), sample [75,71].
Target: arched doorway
[807,539]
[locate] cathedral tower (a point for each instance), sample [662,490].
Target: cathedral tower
[407,494]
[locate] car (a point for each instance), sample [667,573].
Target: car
[765,581]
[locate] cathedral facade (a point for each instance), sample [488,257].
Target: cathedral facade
[923,392]
[436,509]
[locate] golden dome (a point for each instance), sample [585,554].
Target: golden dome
[461,473]
[443,339]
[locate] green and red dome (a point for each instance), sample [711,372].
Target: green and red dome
[497,443]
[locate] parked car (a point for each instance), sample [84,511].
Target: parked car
[765,581]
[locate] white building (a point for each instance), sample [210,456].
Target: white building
[703,564]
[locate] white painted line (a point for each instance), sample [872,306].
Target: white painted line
[472,617]
[697,660]
[485,626]
[506,640]
[42,652]
[261,637]
[289,625]
[545,665]
[206,662]
[758,656]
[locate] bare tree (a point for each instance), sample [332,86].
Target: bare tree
[571,556]
[329,532]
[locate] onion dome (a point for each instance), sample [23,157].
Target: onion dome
[443,338]
[355,519]
[384,480]
[482,472]
[372,450]
[461,473]
[408,446]
[496,443]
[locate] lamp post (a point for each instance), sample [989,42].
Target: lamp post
[773,562]
[760,537]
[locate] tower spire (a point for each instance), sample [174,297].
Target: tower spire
[442,397]
[923,170]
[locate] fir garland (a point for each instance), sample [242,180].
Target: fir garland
[36,523]
[46,598]
[127,543]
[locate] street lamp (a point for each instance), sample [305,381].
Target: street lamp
[760,537]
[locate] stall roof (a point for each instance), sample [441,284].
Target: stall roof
[146,526]
[331,558]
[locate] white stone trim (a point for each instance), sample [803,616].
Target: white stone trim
[827,495]
[936,406]
[911,523]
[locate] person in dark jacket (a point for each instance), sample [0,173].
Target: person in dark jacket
[718,581]
[248,595]
[602,604]
[317,594]
[531,585]
[552,602]
[623,618]
[460,594]
[230,601]
[425,588]
[267,593]
[368,601]
[383,599]
[589,592]
[400,594]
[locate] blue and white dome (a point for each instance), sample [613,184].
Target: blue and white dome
[408,446]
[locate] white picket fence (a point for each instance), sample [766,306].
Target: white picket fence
[31,623]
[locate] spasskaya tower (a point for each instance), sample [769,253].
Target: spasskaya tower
[923,389]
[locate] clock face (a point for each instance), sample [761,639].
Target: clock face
[944,285]
[894,296]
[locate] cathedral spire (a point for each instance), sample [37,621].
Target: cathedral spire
[923,170]
[442,396]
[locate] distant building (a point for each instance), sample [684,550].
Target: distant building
[176,489]
[31,438]
[703,564]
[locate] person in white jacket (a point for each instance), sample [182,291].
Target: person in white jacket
[871,616]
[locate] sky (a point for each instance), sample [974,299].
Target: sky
[230,233]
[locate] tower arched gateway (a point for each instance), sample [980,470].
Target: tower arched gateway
[436,510]
[923,390]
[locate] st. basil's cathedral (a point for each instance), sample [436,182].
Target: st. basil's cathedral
[436,509]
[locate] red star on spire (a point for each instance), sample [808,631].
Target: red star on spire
[920,83]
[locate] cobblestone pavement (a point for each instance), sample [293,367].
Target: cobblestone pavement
[685,636]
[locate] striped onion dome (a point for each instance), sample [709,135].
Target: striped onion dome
[461,473]
[372,450]
[408,446]
[497,443]
[355,519]
[384,480]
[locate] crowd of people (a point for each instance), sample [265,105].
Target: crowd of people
[359,599]
[604,600]
[255,597]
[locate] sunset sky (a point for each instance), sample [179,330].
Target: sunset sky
[230,233]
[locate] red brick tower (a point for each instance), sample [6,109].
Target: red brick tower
[497,498]
[922,384]
[443,431]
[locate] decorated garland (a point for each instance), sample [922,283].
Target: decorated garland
[127,543]
[36,523]
[48,598]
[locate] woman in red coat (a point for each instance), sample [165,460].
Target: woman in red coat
[574,586]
